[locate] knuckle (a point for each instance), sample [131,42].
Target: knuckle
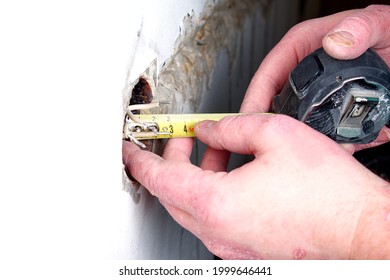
[207,203]
[224,125]
[380,16]
[360,22]
[377,8]
[278,124]
[146,173]
[223,128]
[366,20]
[205,213]
[207,217]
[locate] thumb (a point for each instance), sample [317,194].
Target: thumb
[359,31]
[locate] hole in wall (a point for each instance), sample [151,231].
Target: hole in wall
[141,93]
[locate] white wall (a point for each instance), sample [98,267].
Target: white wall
[63,70]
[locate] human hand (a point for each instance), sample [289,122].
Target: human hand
[344,35]
[303,196]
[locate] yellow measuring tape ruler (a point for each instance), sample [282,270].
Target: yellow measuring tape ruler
[178,125]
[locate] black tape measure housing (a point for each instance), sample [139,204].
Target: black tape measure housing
[347,100]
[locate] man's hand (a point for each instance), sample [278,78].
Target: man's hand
[344,35]
[303,196]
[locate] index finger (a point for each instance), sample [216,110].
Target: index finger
[176,182]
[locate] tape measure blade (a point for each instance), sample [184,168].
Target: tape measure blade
[180,125]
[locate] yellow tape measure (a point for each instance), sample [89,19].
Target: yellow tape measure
[175,125]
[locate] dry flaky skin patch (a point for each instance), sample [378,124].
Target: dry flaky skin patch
[188,74]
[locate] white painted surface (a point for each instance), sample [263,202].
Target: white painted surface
[158,25]
[63,68]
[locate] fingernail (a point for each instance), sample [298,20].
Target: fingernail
[205,124]
[343,38]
